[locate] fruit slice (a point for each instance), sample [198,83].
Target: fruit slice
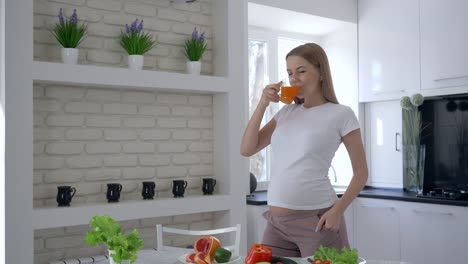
[202,258]
[190,258]
[207,244]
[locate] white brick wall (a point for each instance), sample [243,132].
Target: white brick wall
[169,24]
[88,137]
[61,243]
[87,141]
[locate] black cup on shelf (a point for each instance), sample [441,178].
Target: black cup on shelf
[178,188]
[148,190]
[208,185]
[65,195]
[113,192]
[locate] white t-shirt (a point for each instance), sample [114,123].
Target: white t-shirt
[302,146]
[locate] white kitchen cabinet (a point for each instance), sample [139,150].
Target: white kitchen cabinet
[349,219]
[444,45]
[388,49]
[376,229]
[383,144]
[256,223]
[432,233]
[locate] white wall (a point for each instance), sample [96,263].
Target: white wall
[341,48]
[169,24]
[2,130]
[345,10]
[88,137]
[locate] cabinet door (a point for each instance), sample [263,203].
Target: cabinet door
[255,223]
[433,233]
[444,43]
[349,220]
[377,229]
[383,144]
[388,49]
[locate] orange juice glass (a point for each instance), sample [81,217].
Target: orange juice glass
[288,93]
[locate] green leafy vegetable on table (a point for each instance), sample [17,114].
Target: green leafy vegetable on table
[346,256]
[107,231]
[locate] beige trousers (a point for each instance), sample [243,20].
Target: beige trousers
[294,235]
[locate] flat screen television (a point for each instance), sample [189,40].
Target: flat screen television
[446,140]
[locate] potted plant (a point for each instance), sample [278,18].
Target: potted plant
[136,43]
[413,150]
[123,248]
[69,34]
[194,48]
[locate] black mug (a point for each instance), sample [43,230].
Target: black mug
[148,190]
[113,192]
[208,185]
[65,195]
[178,188]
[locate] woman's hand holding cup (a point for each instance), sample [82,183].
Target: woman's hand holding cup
[270,93]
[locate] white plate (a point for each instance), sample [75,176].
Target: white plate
[361,260]
[234,259]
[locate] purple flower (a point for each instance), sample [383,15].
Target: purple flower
[202,37]
[60,16]
[133,27]
[74,17]
[127,29]
[140,26]
[195,33]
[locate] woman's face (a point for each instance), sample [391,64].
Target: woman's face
[303,74]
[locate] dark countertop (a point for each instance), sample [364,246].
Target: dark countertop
[260,197]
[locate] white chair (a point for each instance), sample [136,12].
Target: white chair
[233,248]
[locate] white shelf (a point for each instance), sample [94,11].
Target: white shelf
[50,217]
[114,77]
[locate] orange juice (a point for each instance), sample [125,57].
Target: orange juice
[288,93]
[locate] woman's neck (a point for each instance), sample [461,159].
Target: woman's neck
[314,101]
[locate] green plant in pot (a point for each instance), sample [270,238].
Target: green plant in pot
[194,48]
[69,34]
[413,150]
[123,248]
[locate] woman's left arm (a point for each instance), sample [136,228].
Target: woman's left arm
[353,143]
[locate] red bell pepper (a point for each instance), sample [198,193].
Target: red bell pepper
[258,253]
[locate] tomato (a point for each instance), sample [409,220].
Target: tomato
[326,262]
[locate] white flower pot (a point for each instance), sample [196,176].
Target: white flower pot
[135,62]
[193,67]
[69,55]
[111,260]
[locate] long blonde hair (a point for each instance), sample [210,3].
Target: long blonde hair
[316,56]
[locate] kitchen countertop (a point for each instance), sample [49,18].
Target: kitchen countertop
[260,197]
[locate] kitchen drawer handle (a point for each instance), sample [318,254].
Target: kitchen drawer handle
[450,78]
[391,208]
[431,213]
[396,142]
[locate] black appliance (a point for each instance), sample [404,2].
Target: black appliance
[446,194]
[445,135]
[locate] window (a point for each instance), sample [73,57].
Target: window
[267,52]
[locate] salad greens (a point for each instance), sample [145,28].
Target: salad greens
[107,231]
[346,256]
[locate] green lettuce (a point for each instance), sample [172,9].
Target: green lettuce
[107,231]
[346,256]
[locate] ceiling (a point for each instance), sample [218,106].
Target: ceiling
[291,21]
